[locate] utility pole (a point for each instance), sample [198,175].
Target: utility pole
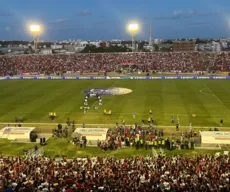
[150,33]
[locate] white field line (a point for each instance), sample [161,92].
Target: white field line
[92,105]
[101,125]
[213,94]
[201,91]
[137,114]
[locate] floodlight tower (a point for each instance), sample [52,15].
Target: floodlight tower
[133,28]
[35,30]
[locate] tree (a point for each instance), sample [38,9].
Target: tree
[141,45]
[156,47]
[111,48]
[89,49]
[166,49]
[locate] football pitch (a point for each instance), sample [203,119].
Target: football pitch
[34,99]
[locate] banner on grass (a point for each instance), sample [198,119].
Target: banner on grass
[154,152]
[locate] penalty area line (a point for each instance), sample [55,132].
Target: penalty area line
[202,92]
[213,94]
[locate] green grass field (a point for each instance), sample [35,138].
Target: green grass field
[208,99]
[34,99]
[62,147]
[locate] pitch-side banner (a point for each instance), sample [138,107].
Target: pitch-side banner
[111,78]
[212,137]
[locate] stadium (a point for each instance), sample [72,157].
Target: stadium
[138,112]
[131,118]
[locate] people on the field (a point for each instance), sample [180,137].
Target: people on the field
[190,125]
[55,116]
[221,122]
[16,119]
[100,102]
[140,137]
[150,112]
[52,116]
[177,126]
[134,115]
[172,119]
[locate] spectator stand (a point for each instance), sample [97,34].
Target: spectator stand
[189,62]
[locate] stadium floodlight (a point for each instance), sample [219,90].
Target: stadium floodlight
[35,30]
[133,28]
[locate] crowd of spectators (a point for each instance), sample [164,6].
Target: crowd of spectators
[98,62]
[201,173]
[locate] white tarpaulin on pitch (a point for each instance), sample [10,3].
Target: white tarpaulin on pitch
[92,134]
[215,137]
[14,133]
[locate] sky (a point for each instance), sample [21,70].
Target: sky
[108,19]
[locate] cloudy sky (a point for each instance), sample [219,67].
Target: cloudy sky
[107,19]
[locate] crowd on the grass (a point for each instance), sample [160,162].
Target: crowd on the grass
[140,137]
[61,132]
[107,62]
[202,174]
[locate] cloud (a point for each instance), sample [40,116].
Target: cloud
[199,23]
[177,14]
[160,18]
[208,14]
[191,22]
[58,21]
[65,28]
[180,14]
[85,12]
[103,22]
[192,13]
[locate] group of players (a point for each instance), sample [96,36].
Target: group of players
[109,112]
[150,120]
[52,116]
[86,107]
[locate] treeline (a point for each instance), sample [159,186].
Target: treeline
[111,48]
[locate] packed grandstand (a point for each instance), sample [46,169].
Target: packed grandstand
[88,63]
[203,173]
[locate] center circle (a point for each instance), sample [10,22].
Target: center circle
[107,91]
